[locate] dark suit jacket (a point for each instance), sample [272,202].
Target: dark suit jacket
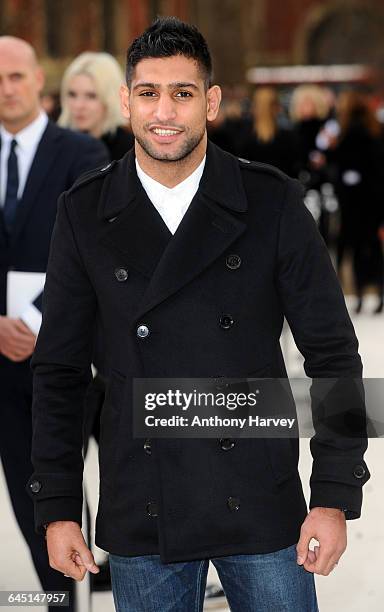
[113,257]
[118,142]
[62,155]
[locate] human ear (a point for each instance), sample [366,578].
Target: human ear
[40,78]
[124,102]
[213,102]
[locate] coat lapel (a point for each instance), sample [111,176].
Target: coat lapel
[210,225]
[206,231]
[135,230]
[3,231]
[46,154]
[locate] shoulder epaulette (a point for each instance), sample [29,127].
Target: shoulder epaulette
[260,167]
[90,175]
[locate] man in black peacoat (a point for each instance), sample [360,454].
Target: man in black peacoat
[206,301]
[113,255]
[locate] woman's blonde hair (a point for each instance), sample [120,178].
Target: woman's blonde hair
[313,93]
[107,77]
[265,108]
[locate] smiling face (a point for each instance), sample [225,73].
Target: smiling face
[21,81]
[168,107]
[87,112]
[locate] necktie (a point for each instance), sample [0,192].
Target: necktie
[10,204]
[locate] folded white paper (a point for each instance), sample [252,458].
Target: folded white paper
[22,289]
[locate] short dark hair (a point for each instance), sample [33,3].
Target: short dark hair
[166,37]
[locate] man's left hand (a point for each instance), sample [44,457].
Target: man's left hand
[328,526]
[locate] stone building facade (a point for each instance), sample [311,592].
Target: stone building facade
[241,33]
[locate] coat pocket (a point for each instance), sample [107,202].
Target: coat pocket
[110,426]
[281,453]
[281,457]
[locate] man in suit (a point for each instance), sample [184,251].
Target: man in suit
[38,160]
[191,258]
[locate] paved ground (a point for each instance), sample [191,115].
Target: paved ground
[357,585]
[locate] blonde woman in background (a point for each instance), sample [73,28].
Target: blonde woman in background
[309,110]
[267,141]
[90,101]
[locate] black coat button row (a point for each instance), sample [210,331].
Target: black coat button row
[359,471]
[233,504]
[121,274]
[226,321]
[152,509]
[233,261]
[35,486]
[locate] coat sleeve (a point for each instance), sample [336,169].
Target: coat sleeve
[62,371]
[314,307]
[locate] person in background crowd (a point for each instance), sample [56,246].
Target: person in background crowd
[90,101]
[50,103]
[217,131]
[38,160]
[358,158]
[231,129]
[267,142]
[309,109]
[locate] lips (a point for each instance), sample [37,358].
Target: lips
[165,134]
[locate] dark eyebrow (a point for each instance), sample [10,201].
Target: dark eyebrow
[181,85]
[149,85]
[176,85]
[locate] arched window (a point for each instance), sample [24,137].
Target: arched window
[347,35]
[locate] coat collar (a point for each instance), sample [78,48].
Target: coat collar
[139,235]
[221,183]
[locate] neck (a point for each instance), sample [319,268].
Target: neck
[170,173]
[14,127]
[96,132]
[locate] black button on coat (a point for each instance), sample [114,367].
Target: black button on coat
[179,286]
[233,262]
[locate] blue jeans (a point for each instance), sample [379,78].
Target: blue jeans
[271,582]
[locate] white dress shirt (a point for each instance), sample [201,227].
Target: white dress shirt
[27,142]
[171,203]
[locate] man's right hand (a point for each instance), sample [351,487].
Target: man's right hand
[67,550]
[17,342]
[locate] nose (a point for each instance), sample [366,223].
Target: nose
[165,109]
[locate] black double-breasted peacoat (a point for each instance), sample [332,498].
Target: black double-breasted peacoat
[113,257]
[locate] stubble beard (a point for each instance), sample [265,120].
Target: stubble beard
[186,149]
